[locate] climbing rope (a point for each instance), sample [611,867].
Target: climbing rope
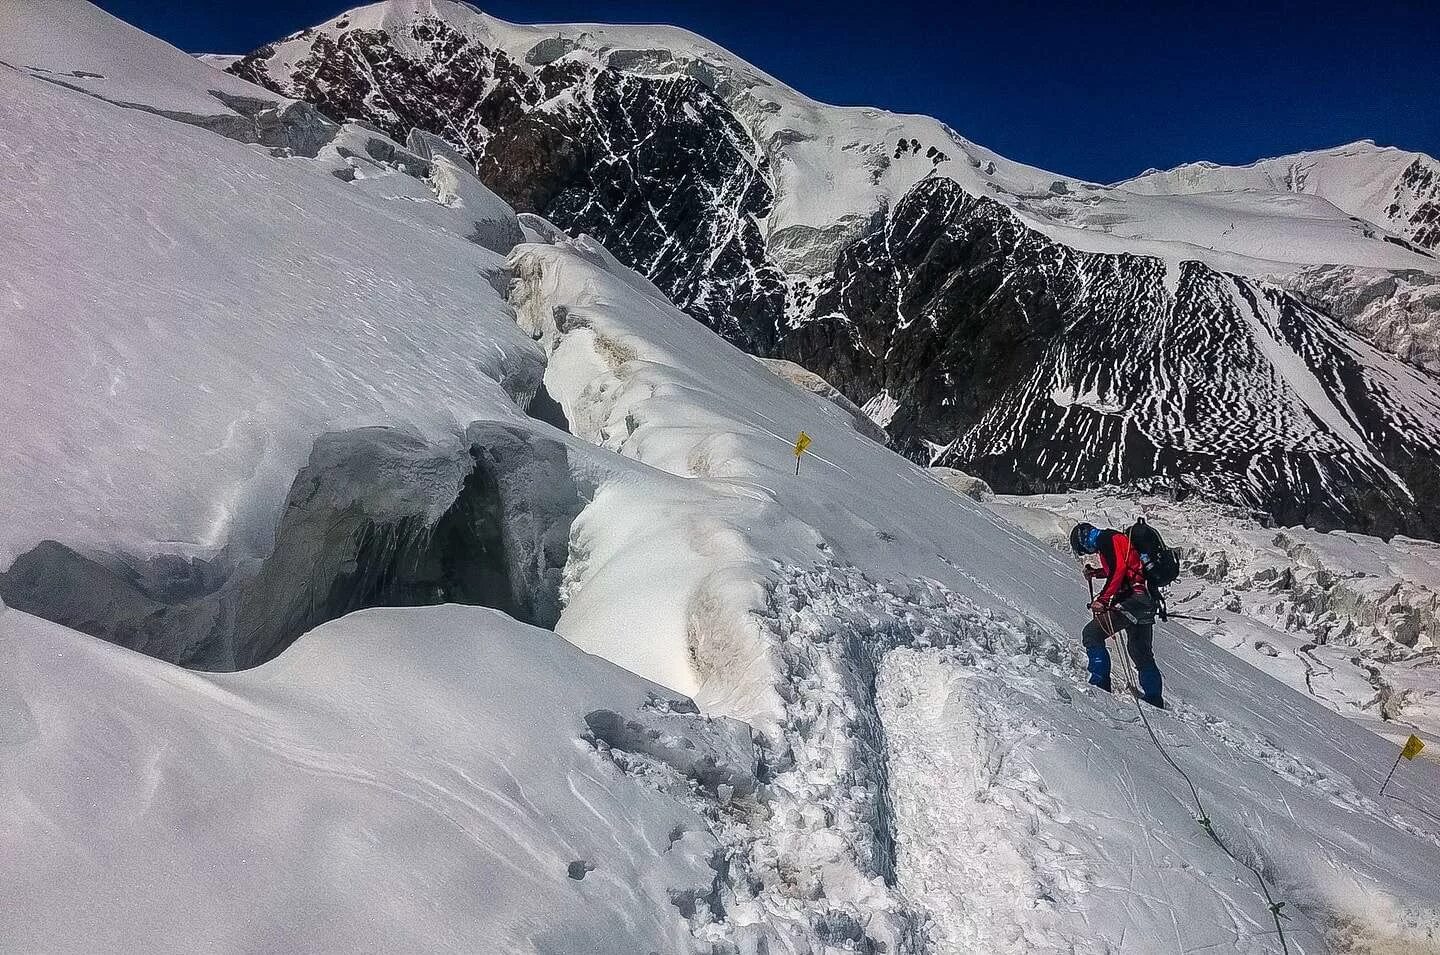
[1202,816]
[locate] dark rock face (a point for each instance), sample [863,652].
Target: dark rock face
[657,169]
[456,90]
[1421,180]
[676,190]
[1038,368]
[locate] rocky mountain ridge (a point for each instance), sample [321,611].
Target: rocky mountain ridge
[1038,330]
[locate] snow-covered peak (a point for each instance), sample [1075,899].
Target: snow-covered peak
[526,41]
[220,61]
[1384,185]
[834,168]
[1191,176]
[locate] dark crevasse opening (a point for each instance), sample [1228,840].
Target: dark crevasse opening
[373,519]
[545,408]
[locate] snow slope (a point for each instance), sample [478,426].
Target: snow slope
[432,777]
[1269,762]
[80,46]
[173,290]
[397,779]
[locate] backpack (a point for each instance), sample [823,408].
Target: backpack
[1160,563]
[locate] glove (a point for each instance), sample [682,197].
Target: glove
[1099,607]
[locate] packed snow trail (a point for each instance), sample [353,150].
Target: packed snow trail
[1008,864]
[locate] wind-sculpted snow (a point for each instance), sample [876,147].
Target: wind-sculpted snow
[397,780]
[377,517]
[155,301]
[77,45]
[242,385]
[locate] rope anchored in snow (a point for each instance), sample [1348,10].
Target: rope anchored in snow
[1201,816]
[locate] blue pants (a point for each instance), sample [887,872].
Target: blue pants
[1138,641]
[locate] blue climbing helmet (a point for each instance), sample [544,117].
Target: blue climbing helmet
[1084,539]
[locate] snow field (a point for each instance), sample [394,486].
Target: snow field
[222,308]
[77,44]
[1358,178]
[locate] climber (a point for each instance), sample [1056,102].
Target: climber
[1124,604]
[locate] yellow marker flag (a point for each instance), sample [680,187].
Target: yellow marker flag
[801,443]
[1410,750]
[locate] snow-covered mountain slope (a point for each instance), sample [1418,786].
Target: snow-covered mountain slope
[218,307]
[1005,675]
[184,320]
[1084,368]
[1399,312]
[831,168]
[870,247]
[442,778]
[1348,619]
[1392,188]
[82,47]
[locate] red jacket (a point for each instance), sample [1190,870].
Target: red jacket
[1120,566]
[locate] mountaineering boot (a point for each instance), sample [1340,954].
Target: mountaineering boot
[1156,701]
[1151,685]
[1099,664]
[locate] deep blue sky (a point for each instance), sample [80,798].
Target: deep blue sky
[1096,89]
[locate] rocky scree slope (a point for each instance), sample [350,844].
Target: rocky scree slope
[1038,330]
